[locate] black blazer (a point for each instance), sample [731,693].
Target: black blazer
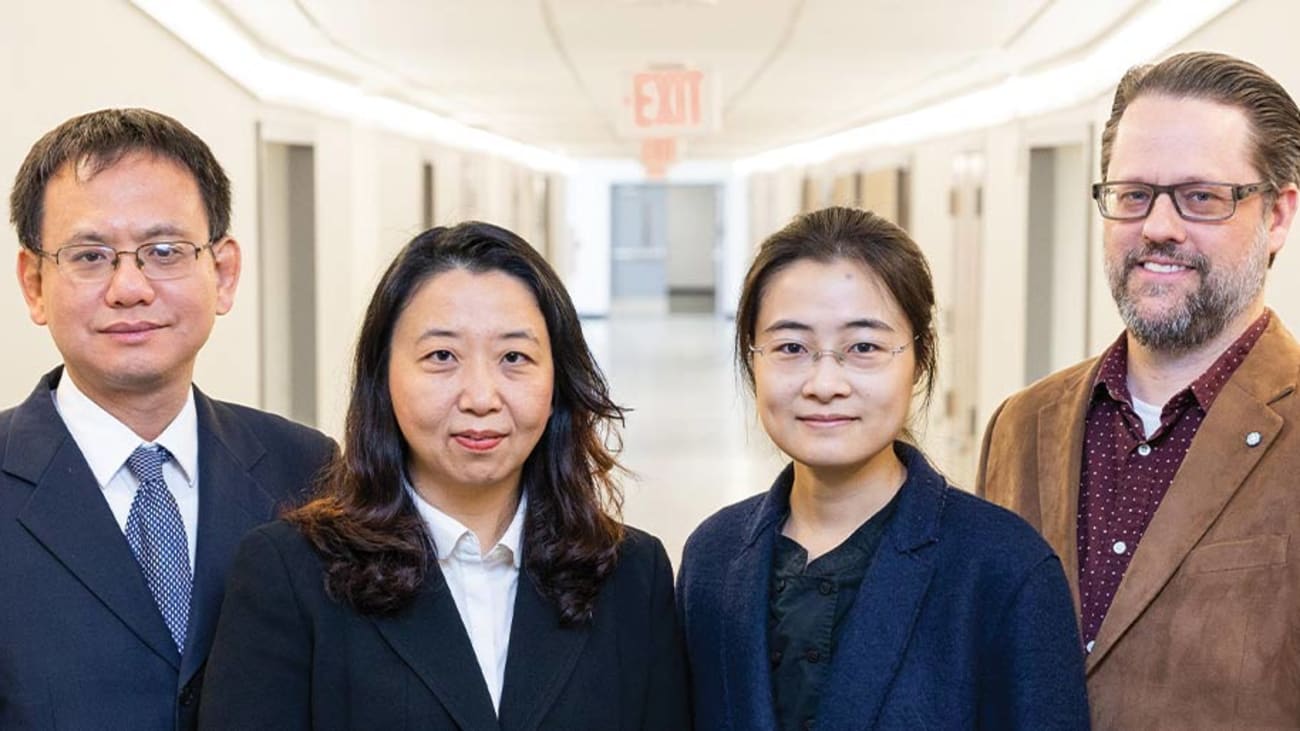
[82,644]
[289,657]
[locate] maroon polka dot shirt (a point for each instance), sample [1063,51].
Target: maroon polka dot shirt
[1125,474]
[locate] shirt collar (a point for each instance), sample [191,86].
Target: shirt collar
[1112,375]
[448,532]
[106,442]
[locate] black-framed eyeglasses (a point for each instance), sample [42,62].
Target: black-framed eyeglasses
[1194,201]
[158,261]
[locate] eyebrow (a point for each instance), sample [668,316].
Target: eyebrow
[869,323]
[436,332]
[159,229]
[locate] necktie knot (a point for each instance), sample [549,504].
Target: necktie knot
[145,463]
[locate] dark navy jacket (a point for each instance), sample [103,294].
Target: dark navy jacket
[82,643]
[964,620]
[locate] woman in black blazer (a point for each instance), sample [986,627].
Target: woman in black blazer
[463,566]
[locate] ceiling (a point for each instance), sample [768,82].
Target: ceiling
[556,73]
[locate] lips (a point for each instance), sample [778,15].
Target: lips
[131,332]
[478,440]
[826,421]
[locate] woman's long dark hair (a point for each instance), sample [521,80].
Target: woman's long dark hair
[376,549]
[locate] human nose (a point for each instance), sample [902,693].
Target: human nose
[826,379]
[1163,223]
[128,285]
[479,393]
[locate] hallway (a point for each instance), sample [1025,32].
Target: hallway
[692,441]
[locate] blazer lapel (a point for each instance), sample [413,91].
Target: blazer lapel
[68,515]
[231,503]
[879,625]
[1217,463]
[746,672]
[540,660]
[433,642]
[1061,426]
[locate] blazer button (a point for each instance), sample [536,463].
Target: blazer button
[187,695]
[812,656]
[826,587]
[776,657]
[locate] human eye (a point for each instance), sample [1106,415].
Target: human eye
[440,357]
[788,349]
[515,358]
[864,347]
[164,253]
[1131,195]
[86,256]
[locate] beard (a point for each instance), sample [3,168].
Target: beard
[1224,293]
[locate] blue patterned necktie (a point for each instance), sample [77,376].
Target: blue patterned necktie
[157,537]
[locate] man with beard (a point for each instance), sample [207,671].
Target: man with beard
[1164,471]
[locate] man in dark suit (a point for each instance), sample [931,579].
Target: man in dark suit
[1163,472]
[123,489]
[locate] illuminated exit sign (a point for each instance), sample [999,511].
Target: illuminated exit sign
[669,101]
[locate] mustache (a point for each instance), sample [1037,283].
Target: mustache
[1170,252]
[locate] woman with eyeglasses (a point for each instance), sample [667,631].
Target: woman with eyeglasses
[463,566]
[863,590]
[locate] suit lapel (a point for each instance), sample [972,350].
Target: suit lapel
[431,639]
[879,626]
[230,504]
[68,515]
[1061,424]
[540,660]
[1217,464]
[746,671]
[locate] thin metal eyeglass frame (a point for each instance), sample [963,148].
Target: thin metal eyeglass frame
[1239,193]
[839,356]
[117,256]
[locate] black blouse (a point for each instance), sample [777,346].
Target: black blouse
[809,602]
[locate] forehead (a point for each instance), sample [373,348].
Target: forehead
[1164,140]
[827,295]
[474,302]
[138,191]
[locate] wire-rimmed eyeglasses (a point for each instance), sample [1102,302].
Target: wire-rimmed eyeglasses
[1194,201]
[796,356]
[158,260]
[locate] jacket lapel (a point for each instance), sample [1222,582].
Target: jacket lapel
[1217,464]
[231,503]
[1061,425]
[68,515]
[746,672]
[433,642]
[540,660]
[879,625]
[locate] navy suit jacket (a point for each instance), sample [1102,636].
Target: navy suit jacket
[963,620]
[82,644]
[289,657]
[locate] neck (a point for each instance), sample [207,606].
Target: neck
[487,511]
[1154,376]
[828,505]
[146,412]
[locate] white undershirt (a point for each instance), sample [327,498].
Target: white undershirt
[1149,414]
[106,443]
[483,585]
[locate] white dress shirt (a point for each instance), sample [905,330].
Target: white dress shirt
[482,583]
[106,443]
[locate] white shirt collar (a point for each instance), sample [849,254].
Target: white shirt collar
[106,442]
[448,533]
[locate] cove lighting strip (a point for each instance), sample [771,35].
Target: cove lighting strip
[225,46]
[1158,27]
